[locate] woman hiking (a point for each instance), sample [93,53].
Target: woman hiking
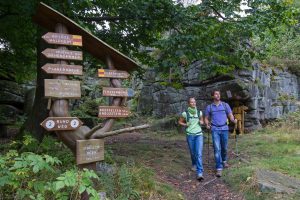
[191,119]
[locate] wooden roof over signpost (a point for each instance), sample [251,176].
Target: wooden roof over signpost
[48,18]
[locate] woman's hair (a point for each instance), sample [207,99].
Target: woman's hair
[189,99]
[213,92]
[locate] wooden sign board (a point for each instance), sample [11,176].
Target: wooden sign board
[62,89]
[61,123]
[117,92]
[62,69]
[88,151]
[63,39]
[113,112]
[105,73]
[62,54]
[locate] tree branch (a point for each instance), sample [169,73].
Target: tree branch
[110,18]
[116,132]
[217,13]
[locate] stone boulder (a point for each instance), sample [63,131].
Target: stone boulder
[270,181]
[11,93]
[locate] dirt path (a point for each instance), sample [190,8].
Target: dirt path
[171,162]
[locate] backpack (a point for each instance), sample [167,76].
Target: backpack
[225,109]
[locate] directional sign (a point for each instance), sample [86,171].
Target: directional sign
[64,39]
[117,92]
[62,69]
[105,73]
[88,151]
[61,123]
[62,54]
[63,89]
[113,111]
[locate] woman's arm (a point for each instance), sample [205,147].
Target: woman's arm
[201,120]
[182,122]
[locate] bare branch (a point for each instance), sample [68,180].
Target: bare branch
[116,132]
[111,18]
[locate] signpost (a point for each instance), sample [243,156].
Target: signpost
[63,39]
[62,89]
[62,54]
[117,92]
[61,123]
[88,151]
[105,73]
[113,111]
[62,69]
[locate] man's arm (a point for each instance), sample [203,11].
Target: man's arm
[230,115]
[207,122]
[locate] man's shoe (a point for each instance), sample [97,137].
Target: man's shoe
[200,177]
[193,168]
[219,173]
[225,165]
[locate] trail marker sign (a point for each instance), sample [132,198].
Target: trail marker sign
[113,111]
[88,151]
[62,89]
[61,123]
[117,92]
[63,39]
[62,54]
[62,69]
[105,73]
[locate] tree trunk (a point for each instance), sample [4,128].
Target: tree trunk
[39,110]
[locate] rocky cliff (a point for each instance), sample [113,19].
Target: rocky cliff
[269,93]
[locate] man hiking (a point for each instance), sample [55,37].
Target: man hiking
[191,119]
[218,112]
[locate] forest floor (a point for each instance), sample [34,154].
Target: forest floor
[168,156]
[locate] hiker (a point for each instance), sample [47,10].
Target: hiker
[218,113]
[191,119]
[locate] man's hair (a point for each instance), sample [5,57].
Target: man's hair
[189,99]
[214,91]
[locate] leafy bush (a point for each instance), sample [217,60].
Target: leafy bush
[32,176]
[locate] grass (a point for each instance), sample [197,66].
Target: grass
[276,148]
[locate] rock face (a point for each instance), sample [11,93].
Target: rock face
[11,103]
[268,93]
[270,181]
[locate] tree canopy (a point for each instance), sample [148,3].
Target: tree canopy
[157,33]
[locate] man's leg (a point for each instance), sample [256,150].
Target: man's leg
[217,149]
[198,155]
[224,145]
[190,141]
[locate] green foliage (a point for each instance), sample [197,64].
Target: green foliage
[211,31]
[28,175]
[32,176]
[49,146]
[283,50]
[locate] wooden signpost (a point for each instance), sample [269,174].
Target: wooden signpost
[105,73]
[117,92]
[58,88]
[62,69]
[61,123]
[88,151]
[62,54]
[63,39]
[113,111]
